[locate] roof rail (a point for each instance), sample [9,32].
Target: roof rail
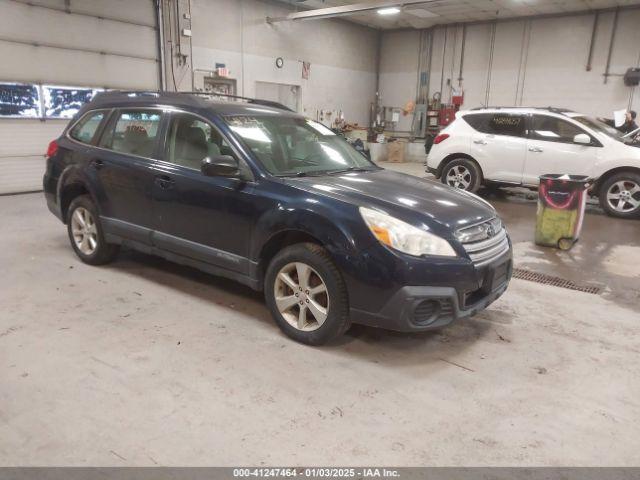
[500,107]
[255,101]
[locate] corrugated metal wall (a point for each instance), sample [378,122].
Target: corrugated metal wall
[22,146]
[93,43]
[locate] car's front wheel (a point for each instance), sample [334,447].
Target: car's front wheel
[85,233]
[462,173]
[620,195]
[306,294]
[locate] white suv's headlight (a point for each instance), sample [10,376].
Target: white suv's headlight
[404,237]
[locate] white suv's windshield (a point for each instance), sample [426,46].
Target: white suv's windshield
[290,146]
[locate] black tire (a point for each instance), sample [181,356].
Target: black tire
[471,179]
[614,185]
[337,316]
[103,252]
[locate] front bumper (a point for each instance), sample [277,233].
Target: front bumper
[419,308]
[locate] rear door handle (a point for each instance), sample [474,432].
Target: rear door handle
[97,164]
[480,142]
[164,182]
[536,149]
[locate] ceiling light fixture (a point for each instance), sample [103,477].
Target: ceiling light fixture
[389,11]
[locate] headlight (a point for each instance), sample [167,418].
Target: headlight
[404,237]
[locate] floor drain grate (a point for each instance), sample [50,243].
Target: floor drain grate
[530,276]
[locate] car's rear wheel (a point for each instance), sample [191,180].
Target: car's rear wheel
[462,173]
[306,294]
[620,195]
[86,234]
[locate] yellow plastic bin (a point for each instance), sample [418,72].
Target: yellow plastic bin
[561,204]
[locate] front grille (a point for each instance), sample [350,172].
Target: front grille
[490,241]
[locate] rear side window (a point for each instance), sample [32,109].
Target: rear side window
[497,123]
[133,132]
[86,128]
[553,129]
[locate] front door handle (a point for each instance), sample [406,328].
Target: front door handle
[536,149]
[97,164]
[480,142]
[164,182]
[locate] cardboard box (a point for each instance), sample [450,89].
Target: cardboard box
[396,151]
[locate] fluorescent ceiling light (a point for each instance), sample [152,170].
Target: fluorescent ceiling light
[421,12]
[388,11]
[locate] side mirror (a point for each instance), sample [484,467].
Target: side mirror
[582,139]
[220,166]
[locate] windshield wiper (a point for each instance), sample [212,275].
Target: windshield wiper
[350,169]
[301,174]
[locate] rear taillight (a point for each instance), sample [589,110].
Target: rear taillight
[440,138]
[53,149]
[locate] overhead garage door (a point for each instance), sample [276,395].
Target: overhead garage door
[78,43]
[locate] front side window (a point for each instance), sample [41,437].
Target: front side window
[293,146]
[191,140]
[553,129]
[134,132]
[86,128]
[600,127]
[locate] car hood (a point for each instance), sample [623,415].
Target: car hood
[405,196]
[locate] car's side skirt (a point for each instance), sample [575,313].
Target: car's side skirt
[183,252]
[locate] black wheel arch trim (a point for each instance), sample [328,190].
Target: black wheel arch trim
[454,156]
[71,176]
[599,182]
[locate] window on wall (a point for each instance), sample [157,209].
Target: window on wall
[65,102]
[19,100]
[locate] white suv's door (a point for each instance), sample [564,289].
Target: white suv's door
[551,149]
[499,144]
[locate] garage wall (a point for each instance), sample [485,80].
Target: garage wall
[65,43]
[343,56]
[536,62]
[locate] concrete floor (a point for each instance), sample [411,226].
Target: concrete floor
[144,362]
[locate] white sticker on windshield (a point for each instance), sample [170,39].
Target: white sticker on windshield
[318,127]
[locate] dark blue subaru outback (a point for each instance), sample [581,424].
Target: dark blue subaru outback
[278,202]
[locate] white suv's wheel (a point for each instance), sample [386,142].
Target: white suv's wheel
[462,173]
[620,195]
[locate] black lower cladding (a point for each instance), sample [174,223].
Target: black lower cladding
[416,308]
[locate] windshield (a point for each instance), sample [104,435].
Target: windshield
[290,146]
[600,127]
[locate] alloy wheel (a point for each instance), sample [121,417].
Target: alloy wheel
[85,233]
[301,296]
[459,176]
[624,196]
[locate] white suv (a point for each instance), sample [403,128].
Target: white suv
[514,146]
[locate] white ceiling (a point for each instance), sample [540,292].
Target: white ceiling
[437,12]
